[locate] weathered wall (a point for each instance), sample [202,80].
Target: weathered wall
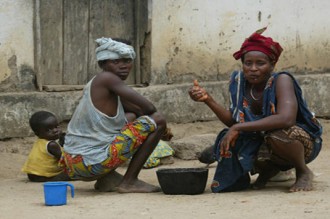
[171,100]
[17,108]
[16,45]
[188,39]
[196,39]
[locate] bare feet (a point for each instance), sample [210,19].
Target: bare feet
[109,182]
[303,181]
[137,186]
[267,171]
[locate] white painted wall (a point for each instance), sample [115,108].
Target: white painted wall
[193,38]
[16,34]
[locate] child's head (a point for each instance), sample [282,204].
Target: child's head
[45,125]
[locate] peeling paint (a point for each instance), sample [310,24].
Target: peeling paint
[203,39]
[16,39]
[298,41]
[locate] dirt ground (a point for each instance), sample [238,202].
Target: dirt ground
[22,199]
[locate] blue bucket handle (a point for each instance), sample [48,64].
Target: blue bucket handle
[71,188]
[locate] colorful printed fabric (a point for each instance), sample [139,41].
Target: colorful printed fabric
[232,171]
[121,149]
[162,150]
[289,135]
[257,42]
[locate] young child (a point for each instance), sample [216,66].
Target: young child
[42,163]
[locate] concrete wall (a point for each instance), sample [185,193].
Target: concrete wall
[196,39]
[189,39]
[171,100]
[17,108]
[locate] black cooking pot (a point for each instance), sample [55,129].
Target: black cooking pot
[186,181]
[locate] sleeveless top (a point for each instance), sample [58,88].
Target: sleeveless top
[232,172]
[40,162]
[90,131]
[305,118]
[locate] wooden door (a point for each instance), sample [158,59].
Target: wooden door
[65,33]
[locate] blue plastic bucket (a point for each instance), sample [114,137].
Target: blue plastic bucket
[56,192]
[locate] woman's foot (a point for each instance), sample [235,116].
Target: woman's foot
[137,186]
[283,176]
[207,156]
[267,171]
[109,182]
[303,182]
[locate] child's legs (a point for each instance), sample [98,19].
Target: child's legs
[60,177]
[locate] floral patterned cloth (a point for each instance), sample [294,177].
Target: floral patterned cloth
[162,150]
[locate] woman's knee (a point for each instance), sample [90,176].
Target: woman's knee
[159,120]
[281,139]
[284,148]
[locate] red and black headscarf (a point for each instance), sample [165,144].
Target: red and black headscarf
[257,42]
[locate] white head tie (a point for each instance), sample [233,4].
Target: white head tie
[111,49]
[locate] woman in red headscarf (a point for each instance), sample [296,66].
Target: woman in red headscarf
[266,108]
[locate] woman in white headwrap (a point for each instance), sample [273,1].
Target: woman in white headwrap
[112,124]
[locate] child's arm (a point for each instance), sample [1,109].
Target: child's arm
[54,149]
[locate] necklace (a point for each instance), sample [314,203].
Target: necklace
[251,94]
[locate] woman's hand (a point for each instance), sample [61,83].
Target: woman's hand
[198,93]
[229,140]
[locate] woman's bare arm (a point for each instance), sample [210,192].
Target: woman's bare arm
[131,99]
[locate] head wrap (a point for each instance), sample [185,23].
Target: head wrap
[257,42]
[111,49]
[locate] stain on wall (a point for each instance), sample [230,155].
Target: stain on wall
[194,40]
[189,39]
[16,44]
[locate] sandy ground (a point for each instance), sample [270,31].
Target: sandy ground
[22,199]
